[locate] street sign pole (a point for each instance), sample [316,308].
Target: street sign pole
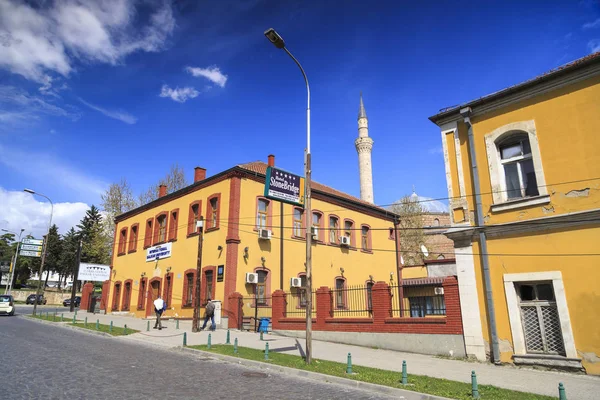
[11,274]
[75,273]
[37,293]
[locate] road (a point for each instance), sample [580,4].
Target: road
[50,362]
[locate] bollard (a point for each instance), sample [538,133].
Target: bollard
[148,326]
[177,325]
[562,395]
[208,345]
[85,323]
[47,315]
[261,336]
[235,350]
[184,339]
[349,364]
[227,341]
[75,315]
[97,324]
[73,319]
[54,316]
[474,389]
[267,351]
[404,375]
[110,327]
[62,317]
[125,330]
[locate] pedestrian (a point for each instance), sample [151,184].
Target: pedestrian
[159,307]
[209,313]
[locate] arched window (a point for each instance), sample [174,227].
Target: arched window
[189,288]
[334,228]
[297,229]
[262,287]
[436,222]
[369,287]
[262,213]
[441,257]
[126,296]
[517,166]
[161,228]
[365,238]
[317,225]
[116,296]
[142,294]
[340,293]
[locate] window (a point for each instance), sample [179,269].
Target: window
[334,227]
[126,296]
[517,163]
[209,286]
[441,257]
[262,213]
[168,289]
[148,233]
[142,293]
[436,222]
[298,222]
[340,295]
[188,289]
[161,224]
[193,217]
[370,295]
[261,287]
[365,238]
[213,211]
[116,296]
[423,301]
[349,231]
[133,238]
[173,225]
[317,221]
[302,290]
[123,241]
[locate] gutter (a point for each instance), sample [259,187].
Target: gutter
[487,280]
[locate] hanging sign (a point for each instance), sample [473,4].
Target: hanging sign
[284,186]
[28,253]
[159,252]
[36,242]
[31,247]
[93,272]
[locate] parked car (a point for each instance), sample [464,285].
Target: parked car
[67,302]
[7,304]
[31,299]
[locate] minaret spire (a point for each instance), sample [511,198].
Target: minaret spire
[364,146]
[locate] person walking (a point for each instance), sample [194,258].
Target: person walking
[159,307]
[209,313]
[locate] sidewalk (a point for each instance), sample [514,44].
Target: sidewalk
[580,387]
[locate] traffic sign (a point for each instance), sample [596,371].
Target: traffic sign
[37,242]
[31,247]
[27,253]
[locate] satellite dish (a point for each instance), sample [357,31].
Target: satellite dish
[424,250]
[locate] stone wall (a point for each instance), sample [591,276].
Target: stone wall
[51,297]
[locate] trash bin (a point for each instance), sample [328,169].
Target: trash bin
[264,325]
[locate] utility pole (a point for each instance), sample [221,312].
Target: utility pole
[196,320]
[13,265]
[37,292]
[75,273]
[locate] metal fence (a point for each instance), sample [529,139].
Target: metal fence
[419,301]
[296,303]
[352,301]
[251,310]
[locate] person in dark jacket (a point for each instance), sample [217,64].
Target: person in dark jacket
[209,313]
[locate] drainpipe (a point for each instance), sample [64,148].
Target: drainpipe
[487,281]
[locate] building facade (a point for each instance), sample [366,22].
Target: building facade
[523,175]
[234,211]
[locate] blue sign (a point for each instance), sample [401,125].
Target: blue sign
[284,186]
[156,253]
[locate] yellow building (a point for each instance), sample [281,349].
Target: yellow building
[529,280]
[236,244]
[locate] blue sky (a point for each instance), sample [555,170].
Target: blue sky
[81,84]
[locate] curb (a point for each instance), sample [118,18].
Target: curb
[315,376]
[65,324]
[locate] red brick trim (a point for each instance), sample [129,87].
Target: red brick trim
[185,301]
[267,286]
[116,296]
[126,303]
[204,284]
[210,224]
[150,297]
[191,229]
[148,233]
[321,226]
[337,233]
[122,241]
[142,293]
[155,238]
[269,213]
[302,223]
[352,232]
[232,246]
[173,225]
[168,288]
[369,248]
[105,295]
[134,236]
[233,313]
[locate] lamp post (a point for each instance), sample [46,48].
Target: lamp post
[13,266]
[45,246]
[278,42]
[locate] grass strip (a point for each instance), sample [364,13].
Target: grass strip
[416,383]
[116,330]
[51,317]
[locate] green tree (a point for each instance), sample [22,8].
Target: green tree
[96,242]
[53,252]
[68,258]
[26,266]
[7,250]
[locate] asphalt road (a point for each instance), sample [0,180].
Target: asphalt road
[28,308]
[41,361]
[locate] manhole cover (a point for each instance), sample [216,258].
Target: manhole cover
[254,374]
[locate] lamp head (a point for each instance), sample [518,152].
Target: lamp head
[274,38]
[29,191]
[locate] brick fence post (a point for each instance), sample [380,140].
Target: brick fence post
[234,310]
[86,293]
[323,307]
[279,303]
[382,302]
[452,301]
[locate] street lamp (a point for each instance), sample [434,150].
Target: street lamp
[278,42]
[13,266]
[33,192]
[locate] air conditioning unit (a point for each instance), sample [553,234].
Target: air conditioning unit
[438,290]
[296,282]
[344,241]
[251,277]
[314,231]
[264,234]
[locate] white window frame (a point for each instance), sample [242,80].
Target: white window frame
[514,311]
[493,141]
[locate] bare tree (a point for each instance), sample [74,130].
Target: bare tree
[174,181]
[117,200]
[410,212]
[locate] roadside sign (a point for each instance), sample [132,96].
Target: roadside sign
[28,253]
[31,247]
[93,272]
[284,186]
[36,242]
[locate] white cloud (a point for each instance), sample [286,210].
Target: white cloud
[21,210]
[17,105]
[593,24]
[213,74]
[50,37]
[116,114]
[44,167]
[594,46]
[436,150]
[180,95]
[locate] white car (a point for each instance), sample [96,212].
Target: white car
[7,304]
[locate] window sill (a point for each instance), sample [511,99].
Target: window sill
[132,251]
[147,246]
[216,228]
[158,243]
[366,251]
[298,237]
[548,360]
[172,240]
[189,235]
[121,254]
[333,244]
[348,248]
[520,203]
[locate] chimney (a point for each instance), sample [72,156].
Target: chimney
[271,160]
[199,174]
[162,191]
